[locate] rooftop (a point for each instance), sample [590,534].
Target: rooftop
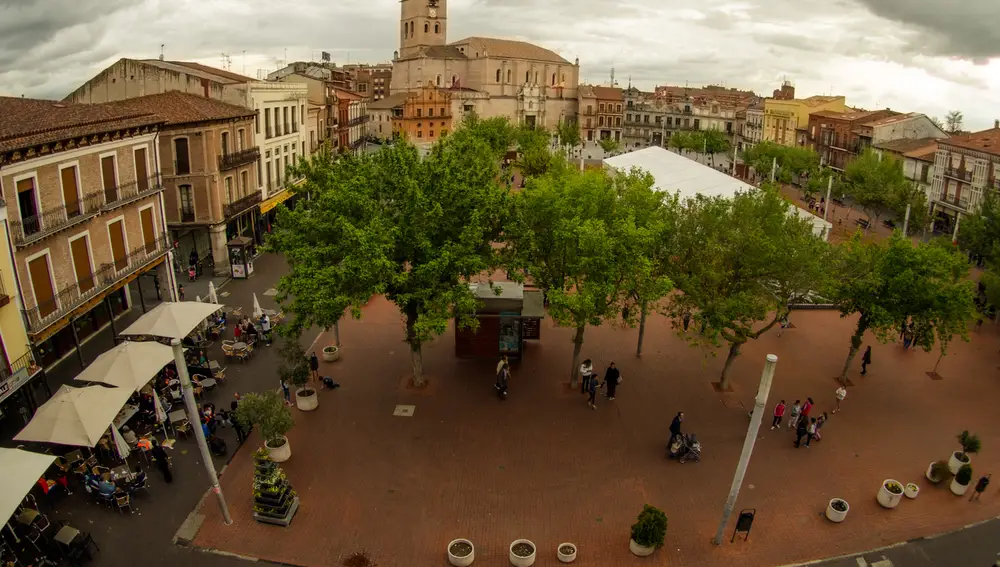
[817,100]
[893,119]
[199,70]
[608,93]
[391,101]
[510,49]
[26,122]
[907,145]
[986,141]
[175,107]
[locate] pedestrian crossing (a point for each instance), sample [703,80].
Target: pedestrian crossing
[884,562]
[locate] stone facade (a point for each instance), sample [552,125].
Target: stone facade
[425,117]
[965,167]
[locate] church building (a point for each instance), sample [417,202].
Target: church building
[492,77]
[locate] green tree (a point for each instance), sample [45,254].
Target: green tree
[609,145]
[979,232]
[876,183]
[738,263]
[681,141]
[714,142]
[887,283]
[395,224]
[580,237]
[953,121]
[534,155]
[498,133]
[792,162]
[569,135]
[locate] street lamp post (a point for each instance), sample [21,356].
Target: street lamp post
[199,434]
[758,414]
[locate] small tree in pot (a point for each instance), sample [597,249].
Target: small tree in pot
[295,370]
[648,531]
[273,419]
[962,479]
[970,444]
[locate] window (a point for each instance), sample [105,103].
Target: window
[79,249]
[119,250]
[243,184]
[437,28]
[618,120]
[259,176]
[70,190]
[256,122]
[109,178]
[295,123]
[302,113]
[527,76]
[224,140]
[284,119]
[141,173]
[553,79]
[590,109]
[923,172]
[426,27]
[437,80]
[600,107]
[508,75]
[645,119]
[419,112]
[42,286]
[267,123]
[430,134]
[618,108]
[697,124]
[420,134]
[240,140]
[600,121]
[187,203]
[498,75]
[229,190]
[268,177]
[148,229]
[430,112]
[182,163]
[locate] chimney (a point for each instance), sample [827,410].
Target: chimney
[996,123]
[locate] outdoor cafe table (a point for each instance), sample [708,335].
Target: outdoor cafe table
[66,535]
[177,416]
[121,473]
[239,345]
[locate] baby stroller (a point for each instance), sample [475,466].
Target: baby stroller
[685,448]
[217,445]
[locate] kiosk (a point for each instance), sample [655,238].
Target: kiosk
[507,314]
[241,251]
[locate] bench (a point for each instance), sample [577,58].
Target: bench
[888,223]
[863,223]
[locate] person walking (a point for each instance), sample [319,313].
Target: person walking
[840,394]
[779,412]
[810,430]
[586,373]
[161,460]
[241,434]
[866,359]
[612,377]
[314,365]
[265,328]
[503,379]
[238,332]
[500,365]
[793,419]
[801,431]
[592,390]
[285,391]
[675,425]
[180,292]
[806,408]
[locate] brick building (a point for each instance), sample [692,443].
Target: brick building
[965,167]
[610,112]
[836,136]
[370,81]
[426,116]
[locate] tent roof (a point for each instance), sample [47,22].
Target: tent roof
[75,416]
[19,471]
[172,320]
[130,365]
[676,173]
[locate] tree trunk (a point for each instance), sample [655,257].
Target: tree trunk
[336,333]
[416,357]
[642,328]
[940,358]
[856,339]
[577,347]
[734,351]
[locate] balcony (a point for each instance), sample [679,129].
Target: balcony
[240,205]
[589,112]
[36,227]
[38,317]
[362,119]
[238,158]
[961,204]
[26,362]
[128,192]
[958,173]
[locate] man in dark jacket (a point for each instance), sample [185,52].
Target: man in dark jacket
[611,378]
[675,425]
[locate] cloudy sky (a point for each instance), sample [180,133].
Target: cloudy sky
[915,55]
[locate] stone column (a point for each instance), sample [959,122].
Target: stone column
[217,234]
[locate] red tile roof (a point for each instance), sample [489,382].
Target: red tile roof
[176,107]
[986,141]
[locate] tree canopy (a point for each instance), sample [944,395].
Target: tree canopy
[738,263]
[792,161]
[878,184]
[609,145]
[393,223]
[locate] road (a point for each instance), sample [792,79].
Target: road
[977,546]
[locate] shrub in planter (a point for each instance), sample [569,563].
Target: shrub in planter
[890,493]
[274,500]
[970,444]
[267,411]
[331,353]
[294,369]
[937,471]
[837,510]
[649,530]
[566,552]
[962,479]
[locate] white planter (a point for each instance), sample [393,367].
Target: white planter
[928,474]
[461,561]
[279,454]
[306,403]
[836,515]
[955,462]
[886,498]
[639,550]
[331,353]
[958,489]
[911,490]
[566,557]
[517,560]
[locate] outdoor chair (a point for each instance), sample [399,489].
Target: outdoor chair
[243,354]
[123,501]
[220,375]
[141,482]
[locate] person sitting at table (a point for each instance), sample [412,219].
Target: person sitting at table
[105,487]
[129,436]
[238,332]
[251,330]
[47,484]
[91,482]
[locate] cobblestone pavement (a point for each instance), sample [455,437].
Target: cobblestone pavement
[542,465]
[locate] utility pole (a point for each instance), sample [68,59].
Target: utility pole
[906,219]
[829,188]
[741,469]
[774,168]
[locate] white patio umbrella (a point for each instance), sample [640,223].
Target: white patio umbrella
[257,311]
[130,365]
[75,416]
[212,296]
[172,320]
[120,444]
[161,415]
[19,471]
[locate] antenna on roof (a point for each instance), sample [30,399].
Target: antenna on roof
[612,76]
[227,61]
[161,52]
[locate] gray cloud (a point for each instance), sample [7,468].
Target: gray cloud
[967,29]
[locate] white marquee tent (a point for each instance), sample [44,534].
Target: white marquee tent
[675,173]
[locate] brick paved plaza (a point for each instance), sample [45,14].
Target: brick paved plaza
[543,466]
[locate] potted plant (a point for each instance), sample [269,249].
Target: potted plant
[648,531]
[274,500]
[890,493]
[911,490]
[461,552]
[331,353]
[566,552]
[962,479]
[937,471]
[268,412]
[970,444]
[522,553]
[837,510]
[295,370]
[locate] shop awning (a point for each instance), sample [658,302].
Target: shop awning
[276,200]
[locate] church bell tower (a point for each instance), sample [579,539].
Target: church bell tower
[422,23]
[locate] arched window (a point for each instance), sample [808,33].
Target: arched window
[406,30]
[527,76]
[411,28]
[437,28]
[426,27]
[437,81]
[553,79]
[536,77]
[498,75]
[508,75]
[454,80]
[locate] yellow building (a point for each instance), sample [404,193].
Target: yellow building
[786,121]
[17,363]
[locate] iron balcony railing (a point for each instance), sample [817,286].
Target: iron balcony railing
[958,173]
[962,202]
[26,361]
[132,191]
[41,315]
[240,205]
[363,119]
[53,219]
[238,158]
